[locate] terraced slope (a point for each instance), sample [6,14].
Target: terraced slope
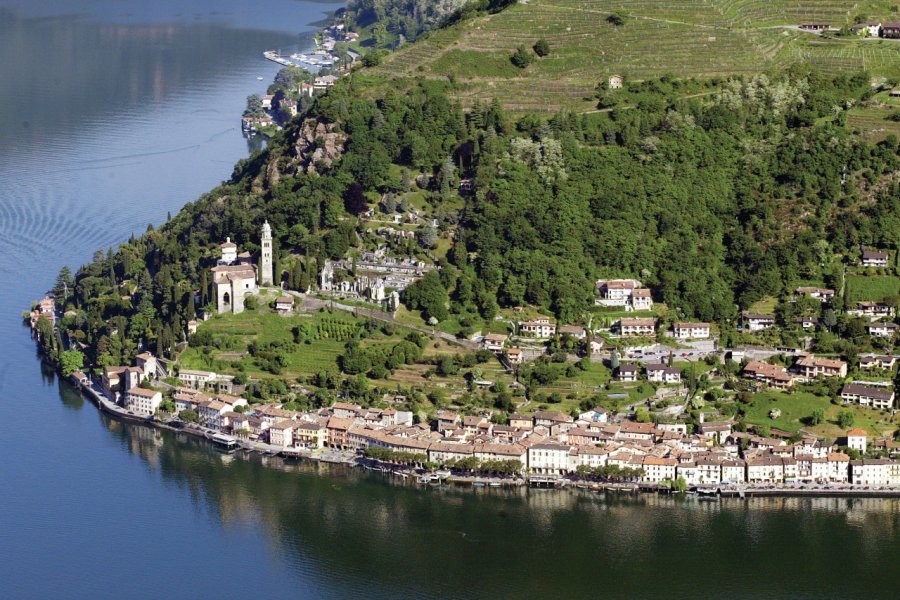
[686,37]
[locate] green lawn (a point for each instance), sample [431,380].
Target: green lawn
[796,406]
[875,287]
[233,333]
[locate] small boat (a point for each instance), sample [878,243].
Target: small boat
[478,484]
[494,484]
[259,78]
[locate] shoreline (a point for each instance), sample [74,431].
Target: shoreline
[393,472]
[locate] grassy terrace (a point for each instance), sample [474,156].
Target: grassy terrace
[329,333]
[875,287]
[687,38]
[796,406]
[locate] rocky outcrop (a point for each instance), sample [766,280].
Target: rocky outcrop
[316,143]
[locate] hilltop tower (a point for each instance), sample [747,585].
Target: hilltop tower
[265,259]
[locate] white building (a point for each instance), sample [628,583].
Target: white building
[548,459]
[659,469]
[685,330]
[874,396]
[856,439]
[141,401]
[663,374]
[644,327]
[539,328]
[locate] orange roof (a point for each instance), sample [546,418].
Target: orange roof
[857,432]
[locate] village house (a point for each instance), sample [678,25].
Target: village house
[548,458]
[756,322]
[708,470]
[188,399]
[345,410]
[765,469]
[540,328]
[575,331]
[891,30]
[324,82]
[495,452]
[770,375]
[821,294]
[141,401]
[873,396]
[883,329]
[871,472]
[642,327]
[195,379]
[588,456]
[867,29]
[811,367]
[628,293]
[873,258]
[814,26]
[284,304]
[281,434]
[733,470]
[615,82]
[875,361]
[308,434]
[211,411]
[111,381]
[857,439]
[595,415]
[494,342]
[659,373]
[337,432]
[632,430]
[807,322]
[627,372]
[514,356]
[686,331]
[658,469]
[521,421]
[837,467]
[872,310]
[549,419]
[689,472]
[716,430]
[445,452]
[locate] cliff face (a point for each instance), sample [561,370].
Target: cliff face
[310,145]
[316,143]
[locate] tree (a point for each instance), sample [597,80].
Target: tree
[522,57]
[71,361]
[355,201]
[65,284]
[542,48]
[428,237]
[254,106]
[614,359]
[189,416]
[846,419]
[617,18]
[817,417]
[829,319]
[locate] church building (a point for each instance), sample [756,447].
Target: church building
[235,276]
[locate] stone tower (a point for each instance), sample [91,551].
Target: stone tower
[265,259]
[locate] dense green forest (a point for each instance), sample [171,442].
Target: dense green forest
[714,193]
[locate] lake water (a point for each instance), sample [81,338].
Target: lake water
[112,114]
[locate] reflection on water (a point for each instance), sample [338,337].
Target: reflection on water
[386,538]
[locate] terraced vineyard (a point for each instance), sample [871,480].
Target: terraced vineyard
[686,38]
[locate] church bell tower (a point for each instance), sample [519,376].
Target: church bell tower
[265,259]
